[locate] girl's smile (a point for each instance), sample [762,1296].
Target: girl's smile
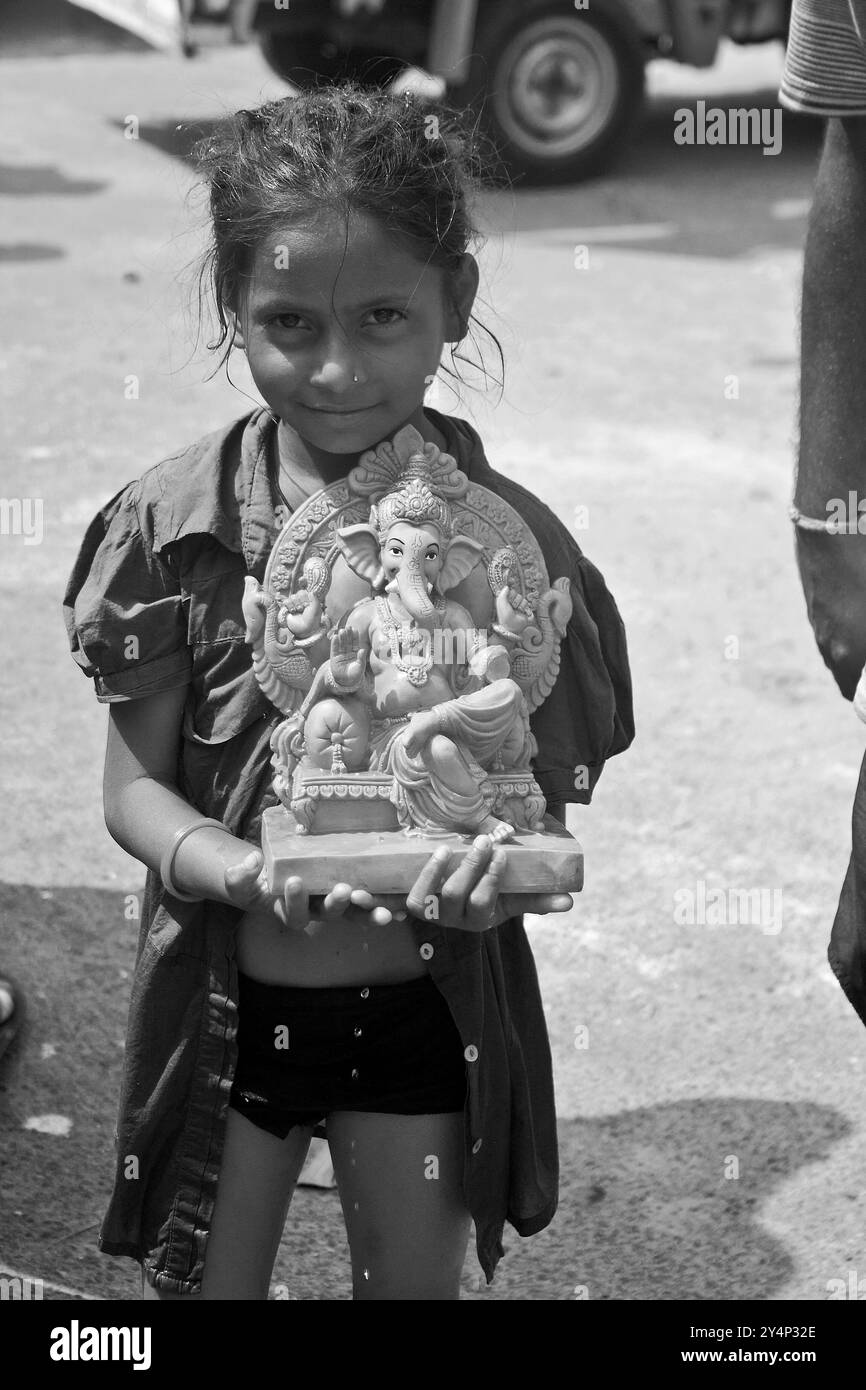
[343,328]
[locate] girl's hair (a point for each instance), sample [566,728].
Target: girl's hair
[339,150]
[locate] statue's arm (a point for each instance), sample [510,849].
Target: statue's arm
[475,660]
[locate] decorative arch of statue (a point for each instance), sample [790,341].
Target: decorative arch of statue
[407,628]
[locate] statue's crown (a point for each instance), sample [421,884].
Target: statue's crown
[408,480]
[413,501]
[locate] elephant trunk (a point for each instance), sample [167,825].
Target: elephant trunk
[412,588]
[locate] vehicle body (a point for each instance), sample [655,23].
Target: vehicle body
[558,83]
[156,22]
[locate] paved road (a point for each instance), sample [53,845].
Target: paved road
[712,1131]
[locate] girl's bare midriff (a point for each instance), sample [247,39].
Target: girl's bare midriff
[327,953]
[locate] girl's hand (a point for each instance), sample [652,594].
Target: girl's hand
[469,898]
[246,886]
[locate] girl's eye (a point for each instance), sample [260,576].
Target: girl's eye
[287,320]
[383,318]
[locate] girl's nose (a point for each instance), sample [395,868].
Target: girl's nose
[339,369]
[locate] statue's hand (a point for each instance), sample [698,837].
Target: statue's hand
[491,663]
[422,727]
[348,657]
[512,610]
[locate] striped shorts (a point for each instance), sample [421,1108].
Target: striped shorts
[825,63]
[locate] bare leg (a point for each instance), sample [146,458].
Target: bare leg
[833,401]
[256,1184]
[401,1186]
[242,15]
[186,34]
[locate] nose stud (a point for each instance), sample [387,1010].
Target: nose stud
[354,378]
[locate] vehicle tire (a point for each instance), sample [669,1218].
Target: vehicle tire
[305,60]
[558,89]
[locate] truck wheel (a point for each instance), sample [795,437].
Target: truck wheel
[558,89]
[307,59]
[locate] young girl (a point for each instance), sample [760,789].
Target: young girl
[340,265]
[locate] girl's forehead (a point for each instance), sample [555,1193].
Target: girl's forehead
[327,252]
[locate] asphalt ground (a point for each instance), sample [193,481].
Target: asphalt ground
[712,1130]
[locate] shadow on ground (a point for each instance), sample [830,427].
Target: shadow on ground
[43,180]
[646,1210]
[30,251]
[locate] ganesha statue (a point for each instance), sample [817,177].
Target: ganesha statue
[407,630]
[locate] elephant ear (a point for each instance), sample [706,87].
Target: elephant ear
[360,546]
[461,557]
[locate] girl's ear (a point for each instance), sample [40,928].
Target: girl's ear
[238,340]
[464,287]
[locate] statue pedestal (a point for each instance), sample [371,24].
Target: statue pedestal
[389,861]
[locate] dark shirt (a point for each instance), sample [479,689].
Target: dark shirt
[153,603]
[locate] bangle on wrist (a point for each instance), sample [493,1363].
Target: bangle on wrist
[166,865]
[332,683]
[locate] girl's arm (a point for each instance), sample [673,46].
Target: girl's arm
[144,809]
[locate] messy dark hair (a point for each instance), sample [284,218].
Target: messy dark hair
[341,150]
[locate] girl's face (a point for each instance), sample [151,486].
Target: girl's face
[343,328]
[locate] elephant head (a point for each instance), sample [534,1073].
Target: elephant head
[411,560]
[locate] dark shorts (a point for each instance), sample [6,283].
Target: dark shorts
[390,1049]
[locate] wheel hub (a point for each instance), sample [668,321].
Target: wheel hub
[557,87]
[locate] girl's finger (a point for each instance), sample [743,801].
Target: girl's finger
[429,881]
[361,898]
[539,904]
[467,875]
[480,913]
[358,917]
[336,902]
[247,869]
[295,903]
[380,915]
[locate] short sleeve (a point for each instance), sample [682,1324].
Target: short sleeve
[123,607]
